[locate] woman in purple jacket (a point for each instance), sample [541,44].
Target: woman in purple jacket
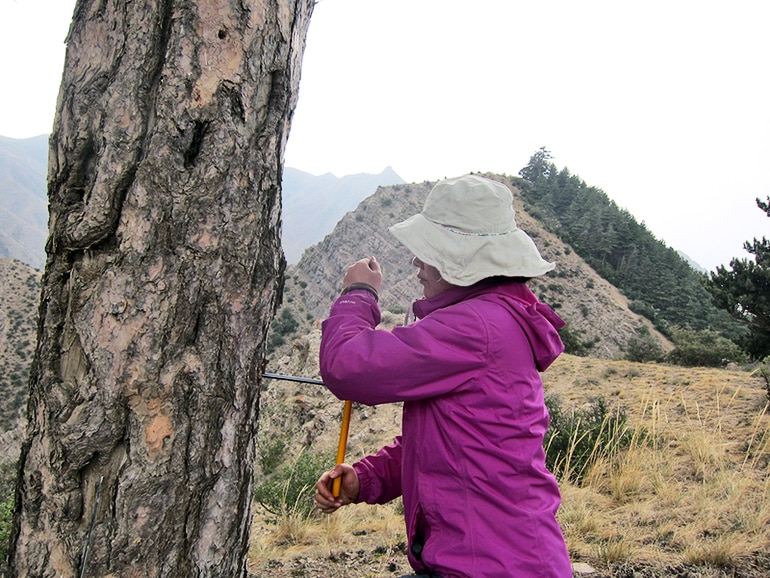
[470,466]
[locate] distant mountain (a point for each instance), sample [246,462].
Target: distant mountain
[23,200]
[691,263]
[312,205]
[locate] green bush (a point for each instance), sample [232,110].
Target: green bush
[573,342]
[643,347]
[397,309]
[271,454]
[285,324]
[6,521]
[274,342]
[290,489]
[578,437]
[703,349]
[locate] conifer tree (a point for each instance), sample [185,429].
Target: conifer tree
[743,290]
[657,281]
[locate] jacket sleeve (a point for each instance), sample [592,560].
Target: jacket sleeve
[379,476]
[437,355]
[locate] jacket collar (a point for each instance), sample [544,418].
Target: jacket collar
[455,294]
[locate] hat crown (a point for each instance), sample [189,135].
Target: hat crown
[468,232]
[471,205]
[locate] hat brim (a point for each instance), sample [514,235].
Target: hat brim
[464,259]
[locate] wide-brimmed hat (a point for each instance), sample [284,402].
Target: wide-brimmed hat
[467,230]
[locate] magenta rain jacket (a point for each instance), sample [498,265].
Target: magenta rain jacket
[478,499]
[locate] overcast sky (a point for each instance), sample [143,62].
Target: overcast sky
[662,104]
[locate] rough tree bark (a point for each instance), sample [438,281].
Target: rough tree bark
[163,272]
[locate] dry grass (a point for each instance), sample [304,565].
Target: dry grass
[692,488]
[357,540]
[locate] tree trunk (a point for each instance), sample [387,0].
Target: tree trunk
[163,271]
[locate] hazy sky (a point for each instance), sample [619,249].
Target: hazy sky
[663,104]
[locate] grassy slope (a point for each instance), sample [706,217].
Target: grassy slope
[695,489]
[690,498]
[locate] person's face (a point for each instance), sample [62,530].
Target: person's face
[430,279]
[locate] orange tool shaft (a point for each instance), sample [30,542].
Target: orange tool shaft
[343,444]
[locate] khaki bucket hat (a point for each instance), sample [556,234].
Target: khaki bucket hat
[467,230]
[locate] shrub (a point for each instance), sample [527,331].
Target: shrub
[285,324]
[646,310]
[643,347]
[6,521]
[703,349]
[274,342]
[271,454]
[290,489]
[578,437]
[573,344]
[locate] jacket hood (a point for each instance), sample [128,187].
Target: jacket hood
[538,321]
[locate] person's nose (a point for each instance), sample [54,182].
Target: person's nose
[417,263]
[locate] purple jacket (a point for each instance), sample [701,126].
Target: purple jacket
[478,499]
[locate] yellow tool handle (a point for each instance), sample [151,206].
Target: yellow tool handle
[343,444]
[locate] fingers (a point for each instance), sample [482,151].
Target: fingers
[364,271]
[325,500]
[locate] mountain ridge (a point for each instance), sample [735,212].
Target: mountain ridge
[330,198]
[596,312]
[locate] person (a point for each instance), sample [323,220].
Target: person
[469,463]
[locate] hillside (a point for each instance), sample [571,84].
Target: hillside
[660,283]
[691,504]
[595,311]
[645,516]
[19,288]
